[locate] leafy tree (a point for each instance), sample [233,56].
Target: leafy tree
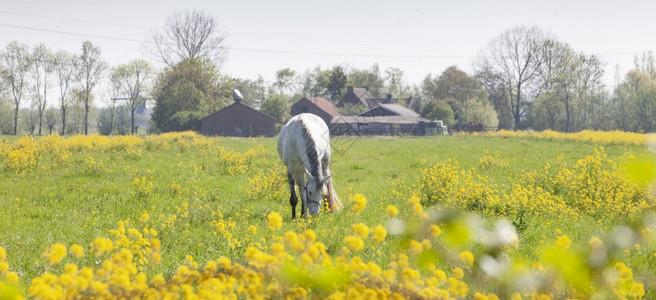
[635,102]
[64,68]
[438,110]
[285,81]
[516,57]
[30,118]
[185,93]
[336,83]
[133,79]
[51,116]
[16,62]
[90,68]
[371,79]
[395,83]
[188,34]
[277,107]
[314,83]
[464,93]
[6,125]
[497,94]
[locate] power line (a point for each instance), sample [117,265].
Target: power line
[71,33]
[63,19]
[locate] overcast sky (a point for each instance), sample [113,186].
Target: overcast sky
[418,37]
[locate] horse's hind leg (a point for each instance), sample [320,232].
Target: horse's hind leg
[293,200]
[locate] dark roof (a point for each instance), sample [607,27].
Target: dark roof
[324,104]
[390,110]
[238,103]
[379,119]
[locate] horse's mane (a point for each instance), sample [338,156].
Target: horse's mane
[311,150]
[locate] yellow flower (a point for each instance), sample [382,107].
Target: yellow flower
[12,277]
[354,243]
[252,229]
[359,203]
[275,220]
[379,233]
[435,231]
[3,253]
[457,273]
[56,253]
[77,250]
[392,211]
[563,242]
[361,230]
[467,256]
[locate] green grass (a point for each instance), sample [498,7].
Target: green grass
[75,203]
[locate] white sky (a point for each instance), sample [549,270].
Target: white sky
[418,37]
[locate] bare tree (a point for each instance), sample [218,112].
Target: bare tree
[16,64]
[188,34]
[64,68]
[42,68]
[132,78]
[90,67]
[516,55]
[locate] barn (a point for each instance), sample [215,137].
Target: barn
[239,120]
[316,105]
[386,119]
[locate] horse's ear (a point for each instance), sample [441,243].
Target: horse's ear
[309,175]
[325,179]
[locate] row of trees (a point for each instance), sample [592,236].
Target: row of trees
[29,74]
[524,78]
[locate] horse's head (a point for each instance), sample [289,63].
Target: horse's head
[315,189]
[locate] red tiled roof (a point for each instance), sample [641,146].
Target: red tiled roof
[324,105]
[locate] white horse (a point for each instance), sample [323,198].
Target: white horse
[304,147]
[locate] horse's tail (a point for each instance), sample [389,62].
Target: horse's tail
[333,202]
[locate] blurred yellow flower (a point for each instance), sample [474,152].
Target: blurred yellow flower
[274,220]
[467,256]
[77,250]
[392,211]
[361,230]
[56,253]
[359,203]
[379,233]
[563,242]
[354,243]
[435,231]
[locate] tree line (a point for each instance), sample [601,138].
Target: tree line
[524,78]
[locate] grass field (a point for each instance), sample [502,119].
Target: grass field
[181,214]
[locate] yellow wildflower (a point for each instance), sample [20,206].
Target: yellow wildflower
[354,243]
[56,253]
[467,256]
[275,220]
[359,203]
[392,211]
[379,233]
[563,242]
[77,250]
[361,230]
[435,231]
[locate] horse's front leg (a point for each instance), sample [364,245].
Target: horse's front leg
[301,189]
[293,200]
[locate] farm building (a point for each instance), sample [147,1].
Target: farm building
[361,96]
[315,105]
[238,119]
[386,119]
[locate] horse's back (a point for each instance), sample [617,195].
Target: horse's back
[291,140]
